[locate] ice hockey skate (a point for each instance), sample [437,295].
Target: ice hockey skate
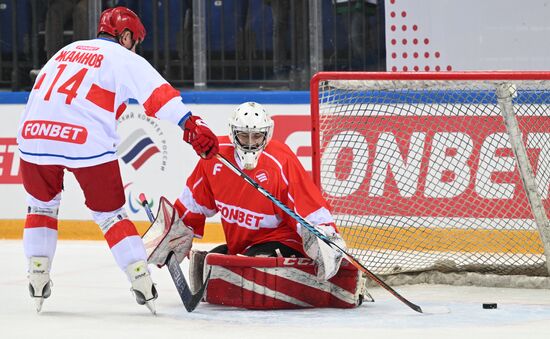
[39,280]
[142,285]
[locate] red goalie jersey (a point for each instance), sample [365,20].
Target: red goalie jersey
[249,218]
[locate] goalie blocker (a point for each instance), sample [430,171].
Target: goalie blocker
[268,283]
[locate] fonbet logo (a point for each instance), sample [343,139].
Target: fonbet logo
[261,176]
[52,130]
[241,216]
[9,162]
[466,162]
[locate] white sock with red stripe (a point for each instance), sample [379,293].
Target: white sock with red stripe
[122,237]
[40,233]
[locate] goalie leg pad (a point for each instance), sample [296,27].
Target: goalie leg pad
[279,283]
[196,269]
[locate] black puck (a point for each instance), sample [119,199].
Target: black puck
[489,306]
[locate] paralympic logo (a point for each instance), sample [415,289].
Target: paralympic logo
[133,201]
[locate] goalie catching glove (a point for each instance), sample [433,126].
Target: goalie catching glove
[327,258]
[201,138]
[167,234]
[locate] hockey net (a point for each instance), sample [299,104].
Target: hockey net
[438,177]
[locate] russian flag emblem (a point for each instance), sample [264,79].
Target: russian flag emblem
[137,148]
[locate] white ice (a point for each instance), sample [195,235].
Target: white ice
[91,299]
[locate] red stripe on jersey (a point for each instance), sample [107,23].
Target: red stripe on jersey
[160,96]
[102,98]
[38,220]
[39,82]
[119,231]
[120,110]
[179,207]
[193,220]
[146,155]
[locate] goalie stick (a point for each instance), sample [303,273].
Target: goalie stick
[321,236]
[190,301]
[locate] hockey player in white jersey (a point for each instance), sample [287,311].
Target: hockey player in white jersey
[69,123]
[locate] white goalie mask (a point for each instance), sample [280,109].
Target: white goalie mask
[250,130]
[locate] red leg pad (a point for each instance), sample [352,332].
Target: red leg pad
[278,283]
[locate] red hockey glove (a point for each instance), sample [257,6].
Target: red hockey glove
[197,133]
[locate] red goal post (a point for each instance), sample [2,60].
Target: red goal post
[437,172]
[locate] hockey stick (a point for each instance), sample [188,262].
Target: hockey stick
[189,300]
[318,234]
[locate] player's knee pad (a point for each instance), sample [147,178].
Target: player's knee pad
[43,209]
[106,220]
[42,213]
[54,203]
[122,237]
[115,225]
[40,233]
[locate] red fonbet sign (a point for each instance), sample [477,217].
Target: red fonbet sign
[430,162]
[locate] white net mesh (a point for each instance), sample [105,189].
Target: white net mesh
[421,174]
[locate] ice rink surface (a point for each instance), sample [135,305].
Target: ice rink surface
[91,299]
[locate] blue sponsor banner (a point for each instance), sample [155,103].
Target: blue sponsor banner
[345,97]
[204,97]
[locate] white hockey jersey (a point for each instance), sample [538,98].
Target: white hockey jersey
[70,117]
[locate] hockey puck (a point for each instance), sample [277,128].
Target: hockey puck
[489,306]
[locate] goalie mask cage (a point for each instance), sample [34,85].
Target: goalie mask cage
[438,177]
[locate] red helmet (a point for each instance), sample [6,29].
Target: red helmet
[115,20]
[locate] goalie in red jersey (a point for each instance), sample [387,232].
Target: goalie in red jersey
[256,227]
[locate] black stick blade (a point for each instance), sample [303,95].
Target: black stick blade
[189,300]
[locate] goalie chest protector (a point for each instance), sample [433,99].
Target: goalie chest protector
[279,283]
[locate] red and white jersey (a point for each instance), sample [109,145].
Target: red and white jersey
[249,218]
[71,116]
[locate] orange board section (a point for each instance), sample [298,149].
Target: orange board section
[88,230]
[366,238]
[428,239]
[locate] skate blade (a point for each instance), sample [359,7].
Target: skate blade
[151,306]
[38,303]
